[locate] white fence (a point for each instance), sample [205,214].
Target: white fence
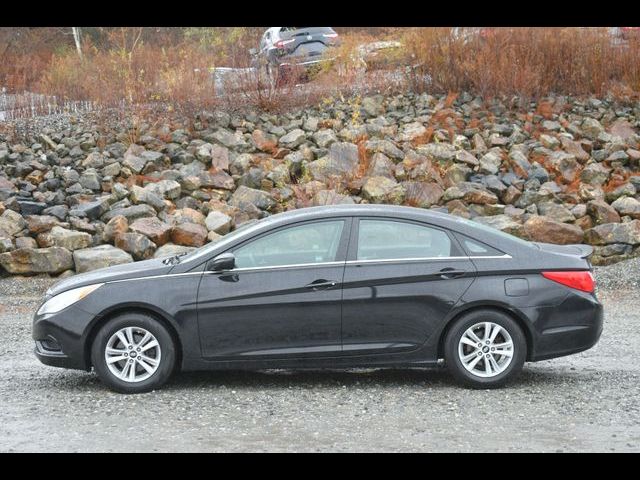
[27,105]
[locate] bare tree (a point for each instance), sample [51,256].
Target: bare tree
[77,39]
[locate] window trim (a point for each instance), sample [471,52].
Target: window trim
[355,229]
[341,252]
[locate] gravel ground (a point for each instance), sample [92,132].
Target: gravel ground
[585,402]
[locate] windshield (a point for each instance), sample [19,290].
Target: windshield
[205,250]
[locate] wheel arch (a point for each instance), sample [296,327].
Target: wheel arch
[519,318]
[107,315]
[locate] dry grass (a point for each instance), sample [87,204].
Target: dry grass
[528,62]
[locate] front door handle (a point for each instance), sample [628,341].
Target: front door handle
[449,273]
[321,284]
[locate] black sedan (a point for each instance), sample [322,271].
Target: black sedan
[335,286]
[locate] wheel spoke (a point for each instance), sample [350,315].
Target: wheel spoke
[125,371]
[487,366]
[145,365]
[504,353]
[467,358]
[496,330]
[150,360]
[473,362]
[494,364]
[115,359]
[114,351]
[122,338]
[487,330]
[508,344]
[467,341]
[151,344]
[145,339]
[473,336]
[132,371]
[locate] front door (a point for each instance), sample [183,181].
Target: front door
[283,299]
[401,280]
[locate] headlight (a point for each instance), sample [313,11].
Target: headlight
[65,299]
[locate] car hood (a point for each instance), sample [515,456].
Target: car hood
[117,272]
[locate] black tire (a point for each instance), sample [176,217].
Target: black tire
[452,339]
[153,326]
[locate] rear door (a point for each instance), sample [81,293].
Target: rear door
[401,280]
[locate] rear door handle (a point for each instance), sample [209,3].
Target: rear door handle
[321,284]
[449,273]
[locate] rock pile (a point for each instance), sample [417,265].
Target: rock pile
[77,197]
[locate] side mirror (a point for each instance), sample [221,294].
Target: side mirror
[224,261]
[253,52]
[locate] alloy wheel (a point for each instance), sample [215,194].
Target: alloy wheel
[486,349]
[132,354]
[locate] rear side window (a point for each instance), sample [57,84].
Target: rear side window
[475,248]
[390,239]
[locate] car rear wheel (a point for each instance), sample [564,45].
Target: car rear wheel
[485,349]
[133,353]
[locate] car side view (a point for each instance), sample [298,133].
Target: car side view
[329,287]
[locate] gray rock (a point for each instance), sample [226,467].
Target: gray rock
[68,239]
[103,256]
[244,197]
[130,213]
[218,222]
[42,260]
[170,250]
[293,139]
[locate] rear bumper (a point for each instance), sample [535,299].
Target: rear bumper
[571,327]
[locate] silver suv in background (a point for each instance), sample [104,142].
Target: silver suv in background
[285,50]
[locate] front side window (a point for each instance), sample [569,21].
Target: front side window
[389,239]
[303,244]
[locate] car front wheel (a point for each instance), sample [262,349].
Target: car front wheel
[133,353]
[485,349]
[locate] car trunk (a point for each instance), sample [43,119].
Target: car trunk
[309,42]
[575,250]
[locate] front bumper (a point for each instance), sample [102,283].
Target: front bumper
[60,338]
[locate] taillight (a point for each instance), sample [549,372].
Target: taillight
[330,35]
[282,43]
[582,280]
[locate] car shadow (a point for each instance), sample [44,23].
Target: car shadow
[435,377]
[432,378]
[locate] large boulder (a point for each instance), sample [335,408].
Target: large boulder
[543,229]
[609,233]
[602,212]
[504,223]
[218,222]
[130,213]
[155,229]
[341,161]
[245,197]
[189,234]
[627,206]
[11,223]
[138,245]
[37,260]
[103,256]
[422,194]
[61,237]
[383,190]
